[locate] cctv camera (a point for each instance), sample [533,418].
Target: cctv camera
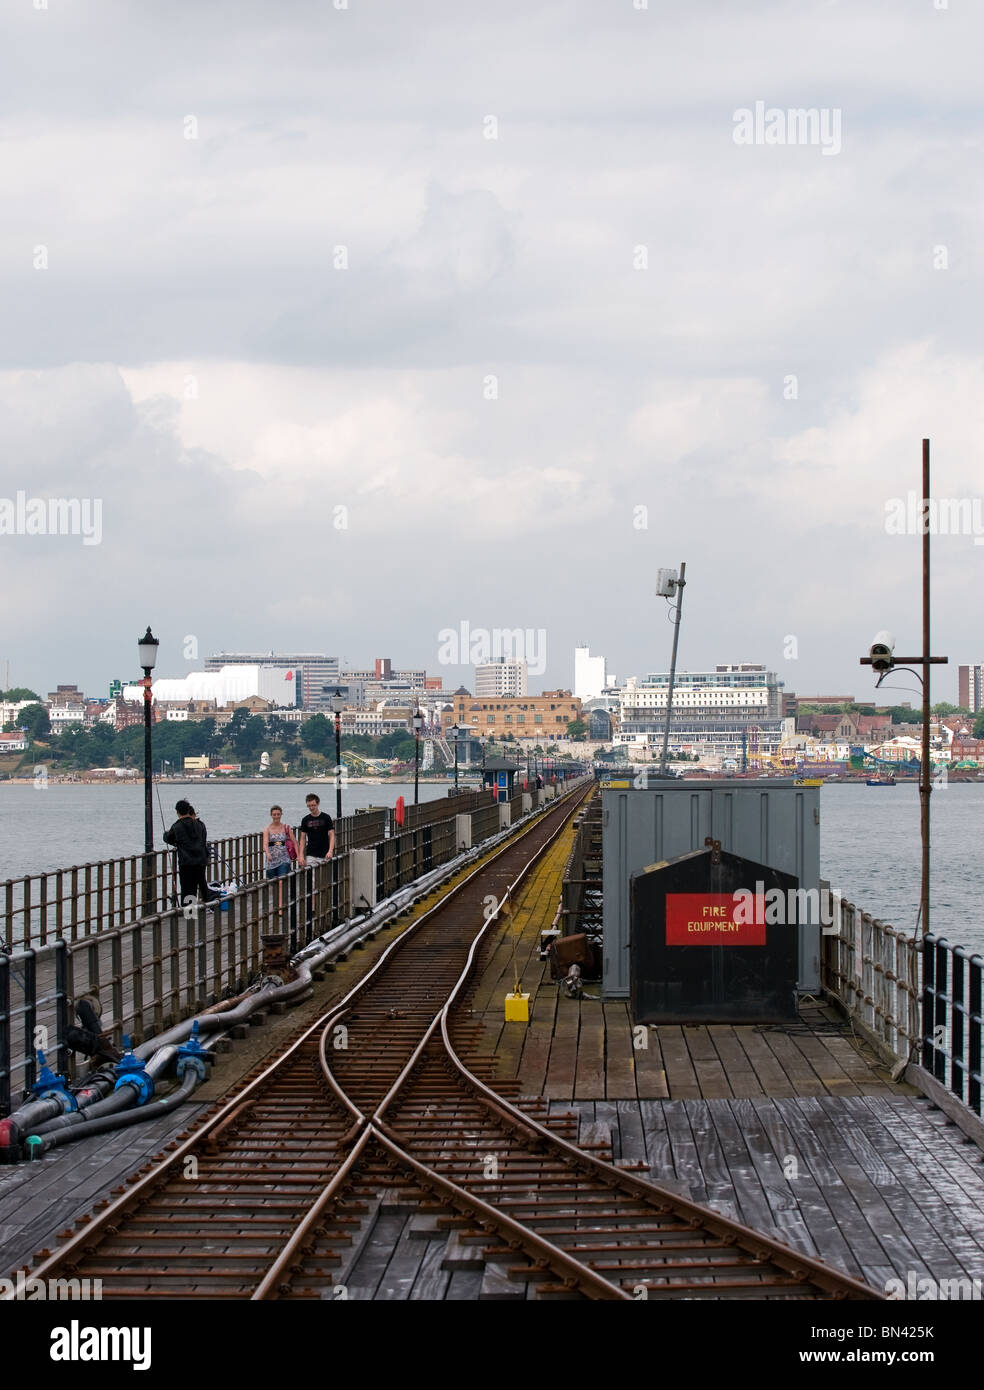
[881,652]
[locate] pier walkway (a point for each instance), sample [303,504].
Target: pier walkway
[798,1131]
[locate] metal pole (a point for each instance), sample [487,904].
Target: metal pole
[676,637]
[416,763]
[149,893]
[338,765]
[925,783]
[456,762]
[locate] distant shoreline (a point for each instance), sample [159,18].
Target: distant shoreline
[238,782]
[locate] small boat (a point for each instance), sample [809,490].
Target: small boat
[888,781]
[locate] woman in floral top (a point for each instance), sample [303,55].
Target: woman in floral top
[276,838]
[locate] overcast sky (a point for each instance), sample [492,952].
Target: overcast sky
[489,278]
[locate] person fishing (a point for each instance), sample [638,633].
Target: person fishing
[190,838]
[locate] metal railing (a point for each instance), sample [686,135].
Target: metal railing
[33,1015]
[485,822]
[952,1018]
[85,899]
[581,900]
[873,970]
[152,973]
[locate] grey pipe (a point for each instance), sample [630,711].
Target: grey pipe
[39,1144]
[118,1100]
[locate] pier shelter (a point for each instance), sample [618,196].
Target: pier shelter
[499,774]
[770,821]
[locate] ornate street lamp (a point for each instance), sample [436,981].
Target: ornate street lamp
[418,724]
[147,656]
[338,704]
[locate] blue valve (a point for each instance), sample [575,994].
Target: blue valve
[192,1054]
[130,1072]
[51,1086]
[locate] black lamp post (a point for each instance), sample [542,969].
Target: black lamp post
[418,724]
[454,734]
[336,703]
[147,655]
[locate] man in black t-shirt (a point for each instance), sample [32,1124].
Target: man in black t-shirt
[316,845]
[317,842]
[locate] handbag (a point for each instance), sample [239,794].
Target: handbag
[291,846]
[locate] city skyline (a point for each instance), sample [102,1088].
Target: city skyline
[887,695]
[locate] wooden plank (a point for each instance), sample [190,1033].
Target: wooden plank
[763,1062]
[620,1072]
[793,1063]
[658,1151]
[781,1121]
[562,1066]
[464,1286]
[889,1167]
[632,1138]
[589,1083]
[404,1265]
[787,1218]
[366,1275]
[872,1230]
[680,1075]
[955,1209]
[707,1064]
[754,1202]
[432,1279]
[536,1049]
[738,1070]
[686,1159]
[650,1072]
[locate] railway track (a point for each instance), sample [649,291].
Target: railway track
[272,1195]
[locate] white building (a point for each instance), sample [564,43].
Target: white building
[226,686]
[63,716]
[732,710]
[589,674]
[500,677]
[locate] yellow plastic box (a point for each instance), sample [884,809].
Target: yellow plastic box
[517,1008]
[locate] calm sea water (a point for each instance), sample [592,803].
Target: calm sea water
[70,823]
[869,836]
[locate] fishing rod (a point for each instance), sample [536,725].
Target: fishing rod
[175,897]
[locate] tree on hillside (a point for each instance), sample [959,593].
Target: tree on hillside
[16,693]
[578,730]
[901,715]
[318,734]
[35,720]
[979,725]
[248,739]
[208,737]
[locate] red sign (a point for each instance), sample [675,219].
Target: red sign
[708,919]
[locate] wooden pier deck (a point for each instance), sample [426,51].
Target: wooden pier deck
[797,1130]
